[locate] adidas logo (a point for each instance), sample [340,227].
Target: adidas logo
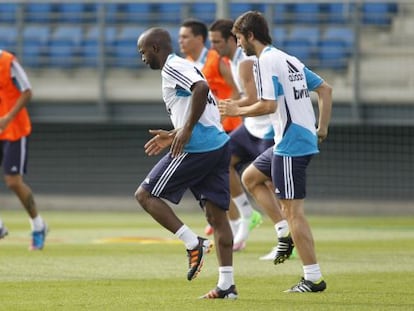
[14,169]
[294,73]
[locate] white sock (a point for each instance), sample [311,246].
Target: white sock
[186,235]
[1,223]
[282,228]
[37,223]
[234,225]
[312,273]
[226,277]
[243,205]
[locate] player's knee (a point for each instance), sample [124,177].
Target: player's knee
[13,182]
[248,182]
[142,196]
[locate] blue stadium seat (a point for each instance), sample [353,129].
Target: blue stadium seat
[308,33]
[64,46]
[339,13]
[8,12]
[170,13]
[237,9]
[125,52]
[302,49]
[112,12]
[377,13]
[174,33]
[278,36]
[332,54]
[70,12]
[90,45]
[342,33]
[282,13]
[139,13]
[39,12]
[307,13]
[35,45]
[8,35]
[203,11]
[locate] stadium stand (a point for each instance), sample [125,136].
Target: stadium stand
[123,54]
[39,12]
[35,45]
[8,12]
[306,13]
[91,44]
[64,46]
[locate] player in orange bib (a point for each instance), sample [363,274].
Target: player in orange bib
[15,128]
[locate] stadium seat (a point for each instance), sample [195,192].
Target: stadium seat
[282,13]
[72,12]
[302,49]
[125,51]
[309,33]
[203,11]
[377,13]
[279,36]
[306,13]
[35,45]
[342,33]
[8,35]
[139,13]
[8,12]
[332,54]
[112,12]
[236,9]
[170,13]
[39,12]
[64,46]
[339,13]
[90,45]
[174,33]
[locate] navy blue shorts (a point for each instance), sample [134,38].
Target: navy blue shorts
[289,176]
[246,146]
[13,156]
[264,162]
[205,174]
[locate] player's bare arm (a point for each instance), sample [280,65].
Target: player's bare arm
[248,84]
[324,92]
[259,108]
[200,91]
[225,71]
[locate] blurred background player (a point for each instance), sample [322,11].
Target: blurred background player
[15,128]
[285,84]
[216,69]
[200,165]
[250,139]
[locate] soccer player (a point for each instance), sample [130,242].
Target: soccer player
[216,69]
[198,159]
[249,140]
[15,129]
[284,84]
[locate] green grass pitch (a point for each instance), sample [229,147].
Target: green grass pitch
[124,261]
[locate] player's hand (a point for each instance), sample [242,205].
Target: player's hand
[322,133]
[181,138]
[156,144]
[228,108]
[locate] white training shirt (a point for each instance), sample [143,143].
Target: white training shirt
[284,78]
[260,126]
[178,76]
